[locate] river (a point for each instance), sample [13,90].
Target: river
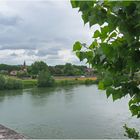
[79,112]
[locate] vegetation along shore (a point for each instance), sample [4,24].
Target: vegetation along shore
[39,74]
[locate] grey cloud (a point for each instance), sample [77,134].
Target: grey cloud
[47,45]
[16,46]
[30,52]
[48,51]
[53,57]
[14,55]
[42,33]
[9,20]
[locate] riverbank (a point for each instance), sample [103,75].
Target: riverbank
[62,81]
[6,133]
[9,82]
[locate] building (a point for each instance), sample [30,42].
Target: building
[24,67]
[13,73]
[22,70]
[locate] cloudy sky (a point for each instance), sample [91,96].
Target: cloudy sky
[45,30]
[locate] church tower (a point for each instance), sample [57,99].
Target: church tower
[24,64]
[24,68]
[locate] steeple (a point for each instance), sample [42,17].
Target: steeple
[24,64]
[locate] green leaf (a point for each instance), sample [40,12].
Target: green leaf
[117,94]
[134,110]
[105,30]
[74,3]
[77,46]
[89,54]
[108,81]
[109,91]
[80,55]
[114,34]
[85,17]
[96,34]
[104,33]
[106,49]
[101,85]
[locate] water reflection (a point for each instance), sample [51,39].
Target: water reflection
[64,112]
[9,94]
[41,96]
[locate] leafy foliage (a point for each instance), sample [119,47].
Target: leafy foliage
[131,132]
[9,67]
[13,84]
[115,50]
[68,70]
[37,67]
[2,82]
[9,83]
[45,79]
[22,74]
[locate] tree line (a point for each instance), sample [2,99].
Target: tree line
[59,70]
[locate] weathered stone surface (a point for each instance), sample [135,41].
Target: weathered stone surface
[6,133]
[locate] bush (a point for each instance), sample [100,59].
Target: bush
[45,79]
[9,83]
[17,84]
[34,76]
[88,81]
[22,74]
[2,82]
[13,84]
[64,82]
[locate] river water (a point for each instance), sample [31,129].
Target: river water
[79,112]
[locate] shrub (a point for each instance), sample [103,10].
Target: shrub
[45,79]
[34,76]
[88,81]
[2,82]
[9,83]
[22,74]
[64,82]
[13,84]
[18,84]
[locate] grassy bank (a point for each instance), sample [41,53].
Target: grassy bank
[62,81]
[10,83]
[29,83]
[7,82]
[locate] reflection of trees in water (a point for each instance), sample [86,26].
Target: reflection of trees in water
[41,96]
[68,92]
[6,94]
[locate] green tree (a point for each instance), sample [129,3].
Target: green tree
[115,50]
[45,79]
[37,67]
[69,69]
[9,68]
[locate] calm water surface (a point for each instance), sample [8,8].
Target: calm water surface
[68,112]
